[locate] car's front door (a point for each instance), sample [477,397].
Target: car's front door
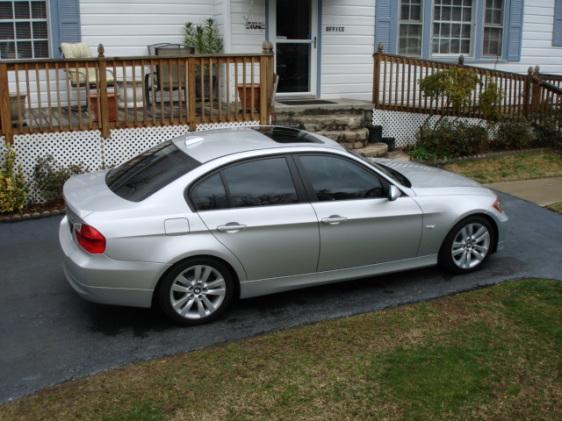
[255,210]
[359,225]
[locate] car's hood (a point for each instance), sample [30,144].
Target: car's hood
[87,193]
[423,176]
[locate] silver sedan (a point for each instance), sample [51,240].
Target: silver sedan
[199,221]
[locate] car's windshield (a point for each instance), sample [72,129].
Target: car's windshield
[390,172]
[148,172]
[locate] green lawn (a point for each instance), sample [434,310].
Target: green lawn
[556,207]
[521,166]
[493,353]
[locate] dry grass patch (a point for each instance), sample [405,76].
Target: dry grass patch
[521,166]
[490,353]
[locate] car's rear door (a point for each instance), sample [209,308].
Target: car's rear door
[359,226]
[258,210]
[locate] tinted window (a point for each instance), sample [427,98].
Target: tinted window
[150,171]
[210,194]
[339,179]
[260,183]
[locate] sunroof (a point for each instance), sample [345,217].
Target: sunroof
[287,135]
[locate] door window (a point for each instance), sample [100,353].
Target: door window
[264,182]
[210,194]
[335,178]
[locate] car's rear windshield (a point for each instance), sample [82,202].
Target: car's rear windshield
[148,172]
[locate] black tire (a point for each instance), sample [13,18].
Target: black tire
[446,260]
[167,281]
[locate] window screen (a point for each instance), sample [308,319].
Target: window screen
[410,41]
[23,29]
[452,26]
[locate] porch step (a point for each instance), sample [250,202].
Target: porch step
[331,122]
[374,150]
[351,136]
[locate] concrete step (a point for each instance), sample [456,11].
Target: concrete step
[331,122]
[347,136]
[373,150]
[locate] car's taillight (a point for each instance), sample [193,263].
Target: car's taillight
[89,238]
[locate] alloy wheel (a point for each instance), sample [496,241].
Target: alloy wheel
[471,245]
[197,292]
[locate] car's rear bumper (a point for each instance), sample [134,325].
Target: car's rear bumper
[100,279]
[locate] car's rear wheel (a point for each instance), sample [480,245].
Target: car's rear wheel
[468,245]
[196,291]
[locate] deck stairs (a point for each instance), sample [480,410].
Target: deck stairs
[346,121]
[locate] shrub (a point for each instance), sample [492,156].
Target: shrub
[455,85]
[513,134]
[449,139]
[13,187]
[204,38]
[50,177]
[549,131]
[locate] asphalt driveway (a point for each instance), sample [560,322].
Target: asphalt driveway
[48,335]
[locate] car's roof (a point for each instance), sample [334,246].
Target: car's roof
[207,145]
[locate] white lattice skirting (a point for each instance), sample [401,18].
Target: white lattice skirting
[91,150]
[403,126]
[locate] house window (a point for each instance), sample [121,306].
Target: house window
[452,27]
[23,29]
[410,38]
[493,28]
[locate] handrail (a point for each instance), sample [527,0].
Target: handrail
[104,93]
[396,87]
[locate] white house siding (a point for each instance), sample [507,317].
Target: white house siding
[244,40]
[347,57]
[126,27]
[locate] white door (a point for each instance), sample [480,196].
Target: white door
[293,30]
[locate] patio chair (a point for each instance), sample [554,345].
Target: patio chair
[81,76]
[166,78]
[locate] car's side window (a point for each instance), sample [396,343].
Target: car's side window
[209,194]
[334,178]
[260,182]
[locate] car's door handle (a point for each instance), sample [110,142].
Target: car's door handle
[334,219]
[231,227]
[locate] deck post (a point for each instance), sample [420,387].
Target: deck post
[5,108]
[377,74]
[191,101]
[266,81]
[104,104]
[535,90]
[527,92]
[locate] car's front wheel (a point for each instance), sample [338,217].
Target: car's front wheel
[468,245]
[196,291]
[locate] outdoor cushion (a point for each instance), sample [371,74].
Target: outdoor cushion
[81,75]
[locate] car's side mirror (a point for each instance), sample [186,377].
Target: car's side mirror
[393,193]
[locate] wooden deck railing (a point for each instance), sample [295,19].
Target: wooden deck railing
[396,86]
[51,95]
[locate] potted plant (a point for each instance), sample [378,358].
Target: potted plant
[205,39]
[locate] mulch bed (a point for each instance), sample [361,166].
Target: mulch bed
[34,211]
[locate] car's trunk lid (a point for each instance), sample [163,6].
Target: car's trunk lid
[88,193]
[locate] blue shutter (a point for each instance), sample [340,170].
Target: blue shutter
[65,23]
[557,35]
[385,24]
[514,30]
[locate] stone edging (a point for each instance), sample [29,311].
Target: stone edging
[445,161]
[15,217]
